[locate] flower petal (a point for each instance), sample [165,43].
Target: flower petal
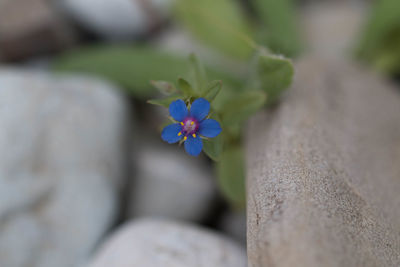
[200,109]
[193,146]
[178,110]
[170,133]
[210,128]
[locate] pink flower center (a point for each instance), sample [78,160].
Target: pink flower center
[190,126]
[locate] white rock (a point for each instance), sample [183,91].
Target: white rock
[117,19]
[61,163]
[169,183]
[155,243]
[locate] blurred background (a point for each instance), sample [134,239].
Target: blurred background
[80,149]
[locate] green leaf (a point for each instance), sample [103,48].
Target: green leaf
[198,73]
[274,74]
[165,102]
[164,87]
[279,30]
[186,88]
[219,24]
[231,176]
[212,90]
[388,59]
[213,147]
[242,106]
[132,67]
[380,37]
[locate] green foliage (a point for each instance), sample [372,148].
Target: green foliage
[219,24]
[164,87]
[213,147]
[380,41]
[164,102]
[231,176]
[279,30]
[132,67]
[242,106]
[186,88]
[197,73]
[273,75]
[212,90]
[222,26]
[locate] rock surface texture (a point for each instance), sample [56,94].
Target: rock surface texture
[61,163]
[324,170]
[155,243]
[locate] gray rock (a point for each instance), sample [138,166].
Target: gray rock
[154,243]
[323,171]
[169,183]
[324,165]
[117,19]
[31,27]
[61,164]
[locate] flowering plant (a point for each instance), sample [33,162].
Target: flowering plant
[206,118]
[195,121]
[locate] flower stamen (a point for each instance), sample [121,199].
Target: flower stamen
[190,126]
[194,135]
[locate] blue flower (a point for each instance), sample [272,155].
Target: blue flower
[192,125]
